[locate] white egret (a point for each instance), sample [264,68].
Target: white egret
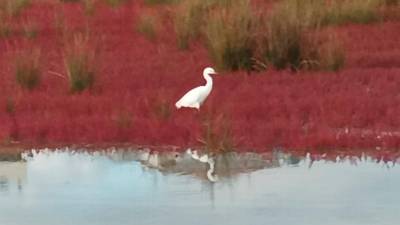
[195,97]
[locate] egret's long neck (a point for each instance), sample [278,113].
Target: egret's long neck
[209,80]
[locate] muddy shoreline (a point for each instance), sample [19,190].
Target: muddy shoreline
[12,151]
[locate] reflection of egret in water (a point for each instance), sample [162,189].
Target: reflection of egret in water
[211,187]
[210,173]
[228,164]
[205,159]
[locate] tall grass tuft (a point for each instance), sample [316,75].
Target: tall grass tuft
[80,59]
[189,20]
[13,7]
[115,3]
[155,2]
[217,134]
[162,109]
[5,28]
[391,10]
[10,106]
[27,69]
[322,51]
[89,6]
[229,35]
[147,25]
[286,28]
[226,26]
[237,38]
[10,110]
[352,11]
[159,107]
[332,54]
[391,2]
[123,119]
[30,29]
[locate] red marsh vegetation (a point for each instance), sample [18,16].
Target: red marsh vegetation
[109,71]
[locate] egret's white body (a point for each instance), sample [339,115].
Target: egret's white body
[195,97]
[205,159]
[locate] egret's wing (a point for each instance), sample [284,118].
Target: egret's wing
[190,98]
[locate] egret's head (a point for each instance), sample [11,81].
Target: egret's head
[209,71]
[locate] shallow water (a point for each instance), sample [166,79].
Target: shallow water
[70,188]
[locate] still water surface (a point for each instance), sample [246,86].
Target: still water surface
[65,188]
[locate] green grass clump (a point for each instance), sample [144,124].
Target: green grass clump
[89,6]
[229,35]
[286,44]
[391,2]
[217,134]
[162,109]
[5,29]
[115,3]
[155,2]
[352,11]
[10,106]
[328,54]
[79,62]
[226,27]
[295,40]
[13,7]
[27,69]
[189,20]
[30,29]
[237,38]
[123,119]
[147,25]
[332,54]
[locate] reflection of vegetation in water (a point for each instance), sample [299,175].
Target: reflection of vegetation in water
[13,172]
[227,164]
[3,183]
